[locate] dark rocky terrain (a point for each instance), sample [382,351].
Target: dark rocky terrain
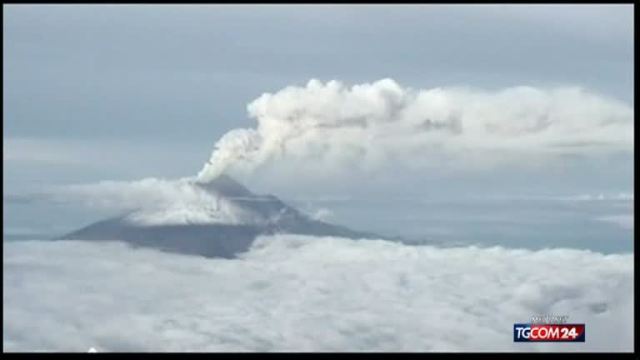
[269,215]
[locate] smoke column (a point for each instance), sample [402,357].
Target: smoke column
[372,123]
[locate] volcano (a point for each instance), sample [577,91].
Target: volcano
[224,222]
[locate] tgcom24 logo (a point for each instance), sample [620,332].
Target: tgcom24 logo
[549,332]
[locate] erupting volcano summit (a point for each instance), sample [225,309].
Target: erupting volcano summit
[223,224]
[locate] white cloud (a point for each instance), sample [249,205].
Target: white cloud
[368,126]
[158,201]
[619,197]
[148,193]
[308,294]
[322,214]
[624,221]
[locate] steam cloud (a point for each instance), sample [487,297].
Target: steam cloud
[372,124]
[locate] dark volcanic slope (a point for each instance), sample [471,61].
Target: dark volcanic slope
[216,239]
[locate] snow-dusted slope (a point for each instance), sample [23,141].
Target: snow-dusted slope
[217,218]
[221,201]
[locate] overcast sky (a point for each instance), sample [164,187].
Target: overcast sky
[123,92]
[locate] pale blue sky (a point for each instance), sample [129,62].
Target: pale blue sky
[185,73]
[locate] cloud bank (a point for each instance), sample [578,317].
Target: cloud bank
[624,221]
[296,293]
[147,192]
[157,201]
[367,126]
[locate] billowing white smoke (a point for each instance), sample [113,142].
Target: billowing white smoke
[369,125]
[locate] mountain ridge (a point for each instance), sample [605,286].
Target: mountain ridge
[222,230]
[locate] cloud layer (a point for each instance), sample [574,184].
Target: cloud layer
[308,294]
[624,221]
[367,126]
[160,201]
